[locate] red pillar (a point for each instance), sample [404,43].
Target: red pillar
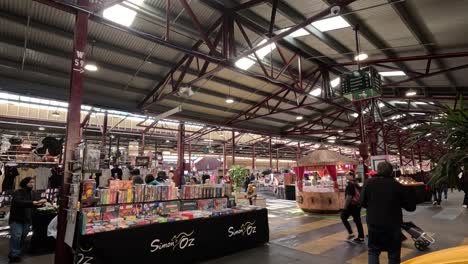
[233,148]
[103,138]
[190,155]
[271,156]
[421,162]
[399,149]
[180,155]
[142,149]
[253,157]
[63,253]
[277,160]
[224,159]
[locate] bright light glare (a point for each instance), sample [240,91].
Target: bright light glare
[354,114]
[316,92]
[392,73]
[91,67]
[420,103]
[381,105]
[120,14]
[335,82]
[41,128]
[299,117]
[265,50]
[331,23]
[411,93]
[244,63]
[229,100]
[361,57]
[298,33]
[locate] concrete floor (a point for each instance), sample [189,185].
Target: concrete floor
[296,237]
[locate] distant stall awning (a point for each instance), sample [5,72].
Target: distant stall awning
[207,164]
[323,157]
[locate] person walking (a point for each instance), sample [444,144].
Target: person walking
[437,195]
[20,217]
[384,197]
[352,208]
[464,187]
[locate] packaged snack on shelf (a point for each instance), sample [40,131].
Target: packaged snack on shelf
[139,193]
[169,207]
[128,212]
[220,203]
[122,196]
[89,216]
[205,204]
[89,187]
[110,212]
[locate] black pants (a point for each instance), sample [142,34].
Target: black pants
[355,212]
[465,200]
[437,192]
[384,239]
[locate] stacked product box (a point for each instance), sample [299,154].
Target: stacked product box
[202,191]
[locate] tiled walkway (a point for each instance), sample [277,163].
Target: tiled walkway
[299,238]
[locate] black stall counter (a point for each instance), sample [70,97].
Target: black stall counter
[178,242]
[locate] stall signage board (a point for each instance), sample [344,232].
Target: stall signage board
[176,242]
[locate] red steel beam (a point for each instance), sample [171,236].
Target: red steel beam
[198,26]
[179,173]
[168,18]
[249,4]
[253,157]
[246,37]
[233,144]
[306,22]
[428,75]
[273,17]
[270,154]
[407,58]
[63,253]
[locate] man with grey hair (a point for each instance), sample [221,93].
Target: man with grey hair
[384,197]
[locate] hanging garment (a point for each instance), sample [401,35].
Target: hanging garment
[9,180]
[42,178]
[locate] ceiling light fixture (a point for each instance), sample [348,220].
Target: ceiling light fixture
[91,65]
[354,114]
[411,93]
[41,128]
[229,100]
[335,82]
[361,57]
[120,14]
[298,33]
[392,73]
[299,117]
[340,131]
[168,141]
[331,23]
[316,92]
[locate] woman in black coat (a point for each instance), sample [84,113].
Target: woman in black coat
[20,217]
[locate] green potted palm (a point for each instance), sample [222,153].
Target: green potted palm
[452,128]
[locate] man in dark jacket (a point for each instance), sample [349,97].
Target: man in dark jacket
[384,197]
[20,217]
[464,187]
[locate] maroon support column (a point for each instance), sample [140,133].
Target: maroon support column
[233,148]
[190,155]
[63,253]
[399,149]
[104,137]
[180,155]
[143,143]
[277,160]
[224,159]
[421,163]
[269,151]
[253,157]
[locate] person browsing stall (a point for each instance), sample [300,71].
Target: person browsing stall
[21,216]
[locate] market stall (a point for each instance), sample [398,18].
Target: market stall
[321,181]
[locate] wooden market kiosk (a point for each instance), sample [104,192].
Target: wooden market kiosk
[321,181]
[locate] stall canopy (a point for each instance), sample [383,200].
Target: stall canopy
[323,157]
[205,164]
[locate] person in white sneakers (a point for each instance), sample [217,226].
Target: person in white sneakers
[464,187]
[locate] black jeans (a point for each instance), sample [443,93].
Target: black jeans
[437,192]
[355,212]
[465,200]
[384,239]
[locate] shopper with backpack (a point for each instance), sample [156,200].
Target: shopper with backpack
[352,208]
